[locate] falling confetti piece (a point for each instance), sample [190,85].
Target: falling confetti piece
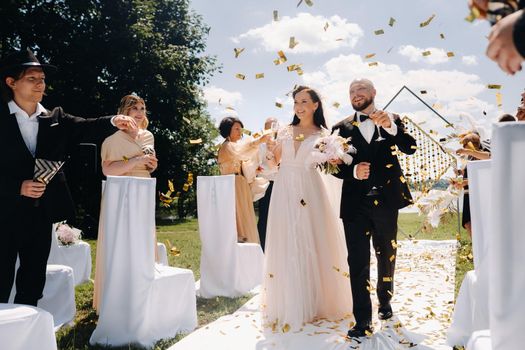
[426,53]
[391,21]
[423,92]
[379,32]
[170,186]
[370,55]
[278,105]
[240,76]
[286,328]
[292,42]
[309,2]
[427,22]
[238,51]
[196,141]
[282,56]
[499,99]
[336,104]
[275,15]
[303,203]
[259,75]
[246,132]
[371,64]
[388,166]
[442,36]
[390,49]
[230,108]
[376,202]
[300,138]
[450,54]
[326,25]
[413,147]
[473,15]
[186,120]
[392,258]
[402,179]
[494,86]
[387,279]
[271,275]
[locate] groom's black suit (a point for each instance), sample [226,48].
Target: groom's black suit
[25,223]
[375,216]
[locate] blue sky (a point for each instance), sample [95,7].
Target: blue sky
[331,58]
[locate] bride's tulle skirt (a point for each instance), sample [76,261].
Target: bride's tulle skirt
[306,271]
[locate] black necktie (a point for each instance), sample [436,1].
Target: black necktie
[363,117]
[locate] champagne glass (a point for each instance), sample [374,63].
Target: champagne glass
[275,128]
[379,136]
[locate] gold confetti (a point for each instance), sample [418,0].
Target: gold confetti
[402,179]
[392,258]
[450,54]
[423,92]
[499,99]
[246,132]
[426,53]
[271,275]
[473,15]
[388,166]
[367,233]
[379,32]
[293,67]
[282,56]
[185,187]
[370,55]
[186,120]
[278,105]
[170,186]
[413,147]
[371,64]
[391,21]
[230,108]
[300,137]
[196,141]
[494,86]
[292,42]
[286,328]
[442,36]
[394,244]
[368,333]
[125,159]
[427,22]
[238,51]
[240,76]
[275,15]
[387,279]
[376,202]
[259,75]
[326,25]
[336,104]
[303,203]
[336,268]
[309,2]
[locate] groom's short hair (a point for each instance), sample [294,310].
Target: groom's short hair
[363,81]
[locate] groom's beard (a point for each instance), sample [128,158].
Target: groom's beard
[364,105]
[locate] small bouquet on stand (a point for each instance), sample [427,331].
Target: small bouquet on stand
[67,235]
[331,147]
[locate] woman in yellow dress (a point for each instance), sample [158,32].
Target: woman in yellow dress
[233,152]
[125,154]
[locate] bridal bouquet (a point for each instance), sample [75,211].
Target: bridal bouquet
[329,147]
[66,234]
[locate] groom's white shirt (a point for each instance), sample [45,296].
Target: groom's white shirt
[367,129]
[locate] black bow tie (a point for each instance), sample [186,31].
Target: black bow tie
[363,117]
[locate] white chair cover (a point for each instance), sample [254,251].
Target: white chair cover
[507,238]
[480,340]
[162,254]
[140,302]
[25,327]
[471,312]
[77,256]
[228,268]
[58,295]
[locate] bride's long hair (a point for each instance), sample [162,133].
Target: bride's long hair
[318,114]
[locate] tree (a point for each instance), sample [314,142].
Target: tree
[107,49]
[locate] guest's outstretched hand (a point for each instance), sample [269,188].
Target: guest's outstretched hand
[123,122]
[501,47]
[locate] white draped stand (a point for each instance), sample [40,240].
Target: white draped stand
[25,327]
[77,256]
[140,302]
[227,268]
[58,295]
[471,312]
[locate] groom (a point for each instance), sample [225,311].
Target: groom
[374,189]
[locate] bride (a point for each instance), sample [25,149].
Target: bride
[305,272]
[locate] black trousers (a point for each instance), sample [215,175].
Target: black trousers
[378,222]
[264,205]
[27,235]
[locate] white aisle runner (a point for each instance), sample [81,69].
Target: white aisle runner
[422,303]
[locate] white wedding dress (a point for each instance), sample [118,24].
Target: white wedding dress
[306,271]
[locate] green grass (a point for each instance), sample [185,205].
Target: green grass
[185,237]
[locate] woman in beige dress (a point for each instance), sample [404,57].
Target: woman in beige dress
[233,152]
[125,154]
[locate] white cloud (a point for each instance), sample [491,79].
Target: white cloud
[454,90]
[308,30]
[469,60]
[415,54]
[219,96]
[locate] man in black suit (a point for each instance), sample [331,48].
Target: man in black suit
[29,208]
[374,189]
